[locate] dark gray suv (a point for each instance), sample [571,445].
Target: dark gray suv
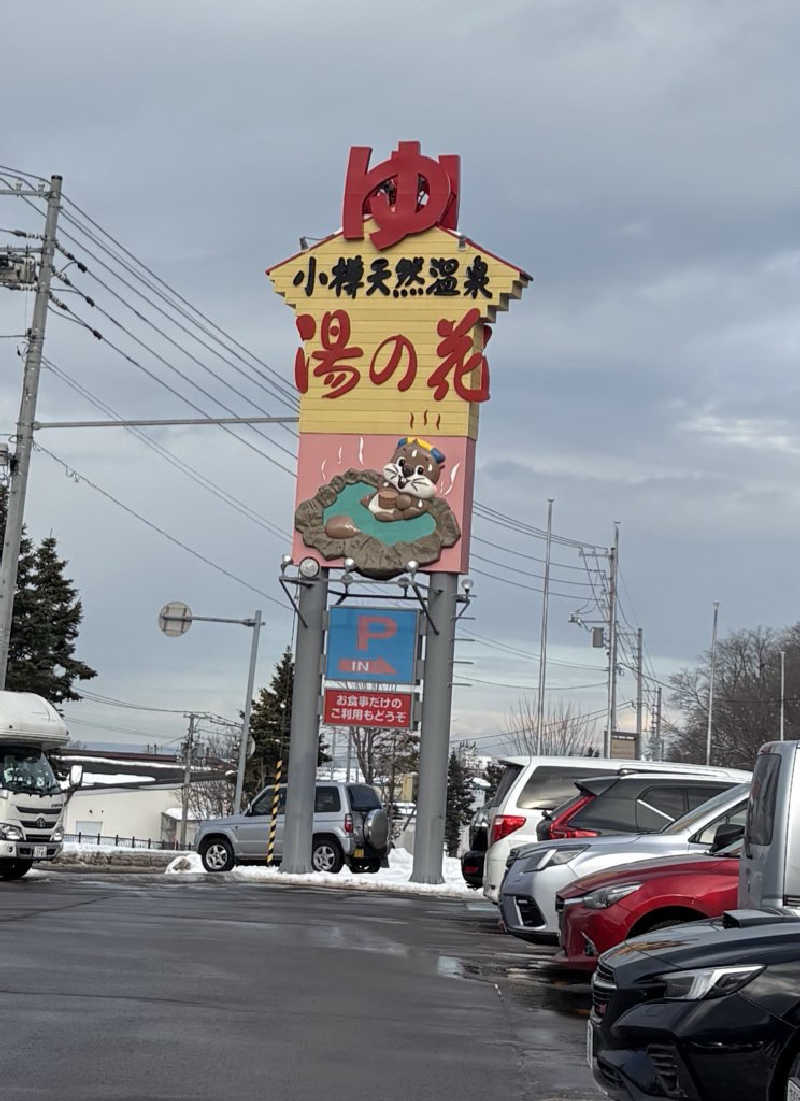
[350,827]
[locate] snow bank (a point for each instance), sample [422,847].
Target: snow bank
[395,878]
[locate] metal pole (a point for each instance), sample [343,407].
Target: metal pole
[783,684]
[187,777]
[248,704]
[349,751]
[638,752]
[333,753]
[435,740]
[659,743]
[15,499]
[543,630]
[304,744]
[711,681]
[611,717]
[164,423]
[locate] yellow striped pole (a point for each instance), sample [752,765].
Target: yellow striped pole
[273,823]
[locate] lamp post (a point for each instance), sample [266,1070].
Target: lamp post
[175,619]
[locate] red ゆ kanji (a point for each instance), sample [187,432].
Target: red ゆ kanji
[407,194]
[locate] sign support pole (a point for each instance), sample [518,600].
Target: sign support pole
[435,741]
[304,742]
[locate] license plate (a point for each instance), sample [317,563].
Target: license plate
[590,1051]
[793,1089]
[39,851]
[358,854]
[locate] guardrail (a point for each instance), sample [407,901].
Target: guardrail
[119,842]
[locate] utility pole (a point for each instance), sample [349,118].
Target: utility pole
[349,751]
[711,681]
[543,630]
[783,685]
[611,718]
[659,743]
[15,500]
[188,754]
[638,752]
[248,706]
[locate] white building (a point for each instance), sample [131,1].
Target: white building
[124,812]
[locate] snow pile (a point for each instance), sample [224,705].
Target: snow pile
[394,878]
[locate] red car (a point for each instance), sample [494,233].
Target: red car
[606,908]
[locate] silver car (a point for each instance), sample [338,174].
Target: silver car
[538,872]
[350,827]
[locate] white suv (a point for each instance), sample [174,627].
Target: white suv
[531,785]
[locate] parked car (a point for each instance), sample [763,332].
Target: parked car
[770,875]
[640,802]
[350,827]
[540,871]
[602,910]
[531,785]
[702,1012]
[472,860]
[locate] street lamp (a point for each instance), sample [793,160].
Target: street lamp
[175,619]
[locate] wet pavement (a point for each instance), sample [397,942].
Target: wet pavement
[144,986]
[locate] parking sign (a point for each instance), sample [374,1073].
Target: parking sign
[372,644]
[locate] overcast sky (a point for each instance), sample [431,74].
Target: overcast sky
[639,159]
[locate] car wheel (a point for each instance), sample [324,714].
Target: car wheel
[792,1079]
[326,856]
[217,855]
[14,869]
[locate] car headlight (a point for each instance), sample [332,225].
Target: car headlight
[58,835]
[606,896]
[11,833]
[549,858]
[707,982]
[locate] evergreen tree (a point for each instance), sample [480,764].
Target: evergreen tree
[493,773]
[270,727]
[45,623]
[459,802]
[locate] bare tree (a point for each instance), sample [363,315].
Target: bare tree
[746,697]
[213,798]
[566,732]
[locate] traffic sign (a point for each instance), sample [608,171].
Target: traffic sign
[175,618]
[372,644]
[392,710]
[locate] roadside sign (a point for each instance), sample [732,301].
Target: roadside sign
[372,644]
[392,710]
[175,618]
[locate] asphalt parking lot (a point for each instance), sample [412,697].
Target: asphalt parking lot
[146,987]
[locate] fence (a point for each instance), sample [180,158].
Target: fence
[119,842]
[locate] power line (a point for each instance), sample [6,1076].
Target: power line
[112,701]
[193,474]
[521,554]
[72,473]
[161,382]
[532,688]
[164,284]
[83,267]
[536,576]
[521,584]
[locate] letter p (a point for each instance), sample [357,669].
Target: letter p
[374,627]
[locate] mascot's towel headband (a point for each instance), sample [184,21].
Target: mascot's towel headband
[435,452]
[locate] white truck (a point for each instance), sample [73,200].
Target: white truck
[32,799]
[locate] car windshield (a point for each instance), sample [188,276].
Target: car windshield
[27,770]
[699,815]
